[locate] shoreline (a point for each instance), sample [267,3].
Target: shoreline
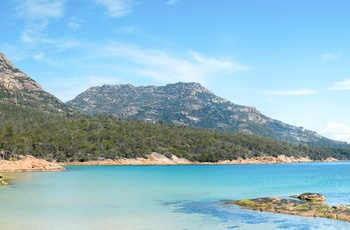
[32,164]
[159,159]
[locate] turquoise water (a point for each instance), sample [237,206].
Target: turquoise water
[167,197]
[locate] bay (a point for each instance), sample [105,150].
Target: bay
[168,197]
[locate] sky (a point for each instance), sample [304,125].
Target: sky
[288,58]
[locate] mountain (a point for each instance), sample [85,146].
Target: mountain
[190,104]
[16,88]
[35,122]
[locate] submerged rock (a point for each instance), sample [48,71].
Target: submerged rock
[304,206]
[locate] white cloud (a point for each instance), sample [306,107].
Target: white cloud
[173,2]
[165,68]
[343,85]
[75,23]
[42,57]
[33,32]
[39,53]
[330,57]
[117,8]
[39,56]
[125,62]
[34,39]
[298,92]
[38,14]
[40,9]
[337,131]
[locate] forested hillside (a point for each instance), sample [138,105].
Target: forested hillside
[193,105]
[82,137]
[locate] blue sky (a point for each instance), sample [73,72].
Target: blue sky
[288,58]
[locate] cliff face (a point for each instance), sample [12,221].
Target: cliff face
[189,104]
[19,89]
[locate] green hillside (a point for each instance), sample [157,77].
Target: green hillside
[82,137]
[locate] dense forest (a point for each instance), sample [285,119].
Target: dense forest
[78,137]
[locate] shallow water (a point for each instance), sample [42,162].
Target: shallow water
[167,197]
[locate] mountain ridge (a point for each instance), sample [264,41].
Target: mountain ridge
[190,104]
[180,103]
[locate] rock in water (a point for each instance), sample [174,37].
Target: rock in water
[311,197]
[308,205]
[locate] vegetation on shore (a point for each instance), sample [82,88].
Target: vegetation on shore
[3,180]
[77,137]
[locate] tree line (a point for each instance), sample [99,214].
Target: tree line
[79,137]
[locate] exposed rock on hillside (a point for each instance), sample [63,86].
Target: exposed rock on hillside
[19,89]
[189,104]
[13,79]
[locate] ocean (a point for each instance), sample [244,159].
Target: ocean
[168,197]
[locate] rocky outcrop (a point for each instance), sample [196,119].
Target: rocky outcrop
[311,197]
[19,89]
[309,205]
[13,79]
[29,164]
[281,159]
